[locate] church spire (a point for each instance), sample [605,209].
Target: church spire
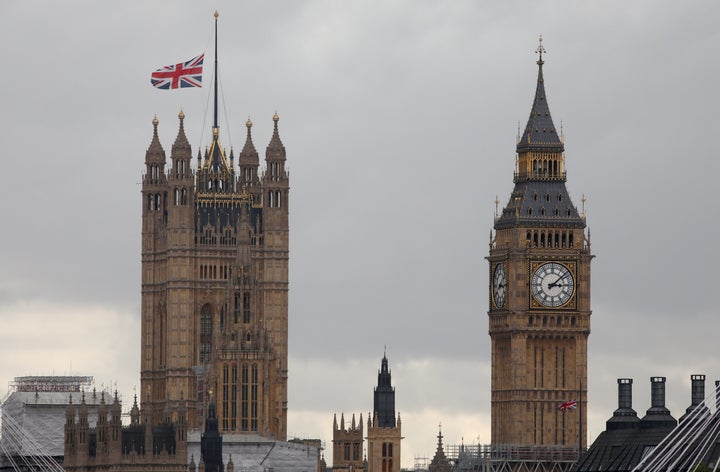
[384,396]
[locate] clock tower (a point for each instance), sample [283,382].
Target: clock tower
[539,296]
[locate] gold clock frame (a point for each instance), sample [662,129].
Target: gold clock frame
[571,303]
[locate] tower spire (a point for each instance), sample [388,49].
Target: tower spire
[540,134]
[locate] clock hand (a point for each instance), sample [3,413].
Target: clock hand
[557,282]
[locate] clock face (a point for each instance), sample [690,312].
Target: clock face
[499,285]
[552,284]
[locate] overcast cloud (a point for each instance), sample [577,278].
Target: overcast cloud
[399,119]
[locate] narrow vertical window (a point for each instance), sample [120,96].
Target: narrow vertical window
[244,398]
[205,332]
[225,397]
[246,307]
[254,399]
[233,397]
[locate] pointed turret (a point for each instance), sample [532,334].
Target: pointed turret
[155,155]
[275,150]
[540,134]
[249,161]
[135,413]
[540,196]
[70,433]
[181,153]
[154,181]
[439,462]
[211,442]
[384,397]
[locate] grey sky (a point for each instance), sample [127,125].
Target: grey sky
[399,119]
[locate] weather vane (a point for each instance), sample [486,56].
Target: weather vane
[540,50]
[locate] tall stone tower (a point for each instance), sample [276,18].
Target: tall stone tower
[384,431]
[215,284]
[539,295]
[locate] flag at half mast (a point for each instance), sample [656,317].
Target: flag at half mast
[182,75]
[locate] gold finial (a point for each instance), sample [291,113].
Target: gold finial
[216,15]
[155,121]
[583,200]
[276,118]
[248,123]
[181,115]
[216,131]
[497,202]
[540,50]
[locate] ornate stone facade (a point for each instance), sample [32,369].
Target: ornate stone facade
[539,296]
[137,447]
[215,250]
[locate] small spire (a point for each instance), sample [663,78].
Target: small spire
[155,152]
[181,146]
[249,154]
[275,149]
[540,50]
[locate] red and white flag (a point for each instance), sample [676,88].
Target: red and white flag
[565,406]
[182,75]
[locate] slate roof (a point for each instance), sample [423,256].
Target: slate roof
[540,203]
[540,133]
[542,200]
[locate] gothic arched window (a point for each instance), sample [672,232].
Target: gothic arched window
[206,316]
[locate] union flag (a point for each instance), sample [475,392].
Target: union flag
[182,75]
[565,406]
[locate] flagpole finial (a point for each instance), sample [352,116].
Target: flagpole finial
[540,50]
[216,14]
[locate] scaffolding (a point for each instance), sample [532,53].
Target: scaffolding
[511,458]
[46,383]
[33,420]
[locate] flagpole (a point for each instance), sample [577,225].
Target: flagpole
[580,433]
[215,107]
